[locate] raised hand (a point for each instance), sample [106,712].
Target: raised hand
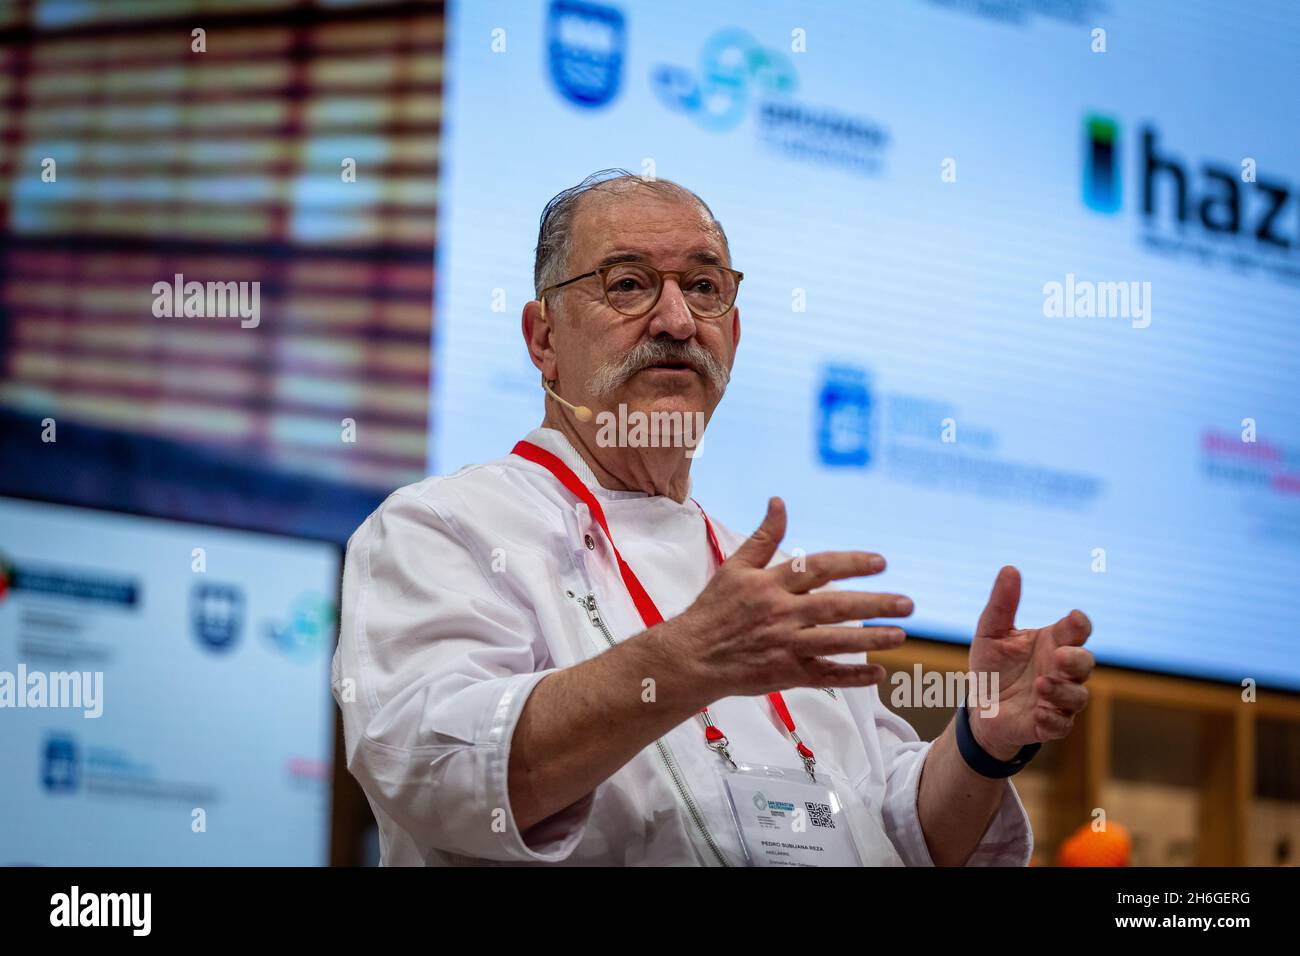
[756,629]
[1040,671]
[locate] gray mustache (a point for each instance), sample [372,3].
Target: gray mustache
[657,352]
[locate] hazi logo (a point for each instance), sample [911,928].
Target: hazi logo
[1219,199]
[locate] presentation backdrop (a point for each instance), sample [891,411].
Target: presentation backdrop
[1021,286]
[165,690]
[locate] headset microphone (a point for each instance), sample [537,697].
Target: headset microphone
[581,412]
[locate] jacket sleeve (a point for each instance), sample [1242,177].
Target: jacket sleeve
[1009,839]
[432,670]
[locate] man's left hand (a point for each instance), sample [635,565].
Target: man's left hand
[1040,671]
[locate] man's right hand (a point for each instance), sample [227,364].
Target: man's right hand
[756,629]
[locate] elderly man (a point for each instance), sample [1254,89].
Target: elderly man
[557,657]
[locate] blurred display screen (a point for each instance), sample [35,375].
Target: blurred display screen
[279,146]
[165,692]
[1017,290]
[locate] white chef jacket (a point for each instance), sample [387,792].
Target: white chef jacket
[462,591]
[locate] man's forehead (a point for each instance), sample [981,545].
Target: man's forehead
[631,227]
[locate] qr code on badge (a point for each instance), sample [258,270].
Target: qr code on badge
[819,814]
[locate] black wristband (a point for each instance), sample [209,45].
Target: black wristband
[983,762]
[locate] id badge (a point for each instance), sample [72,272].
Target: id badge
[785,819]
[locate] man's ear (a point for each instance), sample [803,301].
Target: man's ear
[735,328]
[538,337]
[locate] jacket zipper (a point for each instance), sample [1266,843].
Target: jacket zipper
[593,613]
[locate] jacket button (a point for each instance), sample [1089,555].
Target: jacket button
[591,543]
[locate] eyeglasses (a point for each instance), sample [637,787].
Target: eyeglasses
[633,288]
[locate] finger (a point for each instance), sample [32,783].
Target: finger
[1072,663]
[1051,725]
[820,672]
[1065,696]
[1072,630]
[817,570]
[832,607]
[760,546]
[822,641]
[999,615]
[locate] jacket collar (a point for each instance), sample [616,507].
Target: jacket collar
[554,441]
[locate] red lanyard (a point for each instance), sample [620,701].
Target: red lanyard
[714,738]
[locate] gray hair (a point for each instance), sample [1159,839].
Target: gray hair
[555,234]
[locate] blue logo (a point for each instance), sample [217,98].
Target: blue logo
[844,416]
[586,44]
[60,770]
[301,637]
[217,613]
[731,65]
